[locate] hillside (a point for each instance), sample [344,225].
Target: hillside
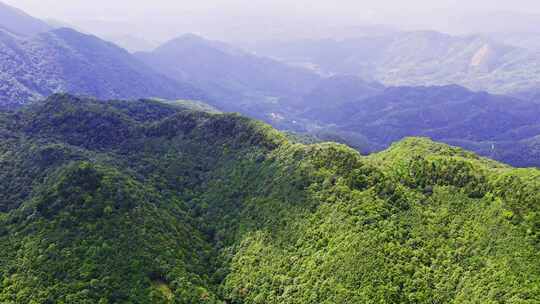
[64,60]
[418,59]
[145,202]
[240,81]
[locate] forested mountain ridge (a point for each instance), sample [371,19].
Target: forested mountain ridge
[140,201]
[66,61]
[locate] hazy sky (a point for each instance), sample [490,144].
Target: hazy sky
[163,19]
[118,8]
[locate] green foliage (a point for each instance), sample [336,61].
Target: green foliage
[107,239]
[145,202]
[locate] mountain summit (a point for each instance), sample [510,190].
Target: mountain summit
[237,80]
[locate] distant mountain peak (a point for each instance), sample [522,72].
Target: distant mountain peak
[190,40]
[186,38]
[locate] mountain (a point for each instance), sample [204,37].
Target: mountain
[145,202]
[17,21]
[442,112]
[419,58]
[492,125]
[64,60]
[240,81]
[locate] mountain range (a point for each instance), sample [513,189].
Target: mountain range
[418,58]
[500,127]
[344,108]
[65,60]
[146,202]
[38,60]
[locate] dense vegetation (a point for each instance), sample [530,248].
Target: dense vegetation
[147,202]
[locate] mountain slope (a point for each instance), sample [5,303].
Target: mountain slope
[64,60]
[239,80]
[442,112]
[17,21]
[102,225]
[103,203]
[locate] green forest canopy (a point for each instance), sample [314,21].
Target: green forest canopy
[146,202]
